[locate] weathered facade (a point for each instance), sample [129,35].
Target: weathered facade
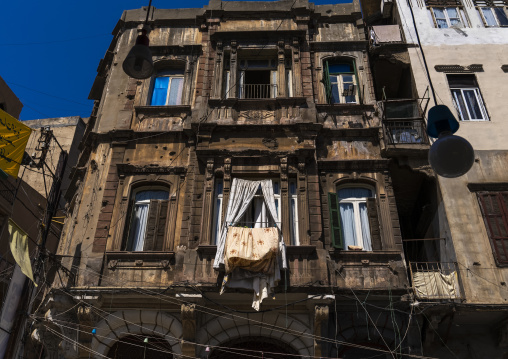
[279,91]
[465,46]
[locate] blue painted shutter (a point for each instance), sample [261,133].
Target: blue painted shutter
[160,91]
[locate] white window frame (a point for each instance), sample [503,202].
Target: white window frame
[356,210]
[293,213]
[481,10]
[217,210]
[460,12]
[479,99]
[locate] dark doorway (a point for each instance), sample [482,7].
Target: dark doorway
[134,346]
[247,348]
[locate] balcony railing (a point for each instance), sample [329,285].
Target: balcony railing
[403,122]
[258,91]
[435,280]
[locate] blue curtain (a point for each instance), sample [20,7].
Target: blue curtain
[160,91]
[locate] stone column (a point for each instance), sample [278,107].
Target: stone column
[321,315]
[189,330]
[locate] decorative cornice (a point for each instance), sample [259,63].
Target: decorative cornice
[130,169]
[163,111]
[459,68]
[364,165]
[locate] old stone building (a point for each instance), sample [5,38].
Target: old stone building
[262,120]
[465,46]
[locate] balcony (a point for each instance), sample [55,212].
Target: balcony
[404,126]
[435,281]
[257,91]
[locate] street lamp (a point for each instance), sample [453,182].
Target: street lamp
[450,156]
[138,63]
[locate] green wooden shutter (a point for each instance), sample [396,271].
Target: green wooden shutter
[375,233]
[326,82]
[156,225]
[335,230]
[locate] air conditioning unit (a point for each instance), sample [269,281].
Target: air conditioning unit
[386,8]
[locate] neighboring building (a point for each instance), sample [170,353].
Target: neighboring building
[465,44]
[278,91]
[9,102]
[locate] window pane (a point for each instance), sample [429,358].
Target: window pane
[160,91]
[472,105]
[175,92]
[335,93]
[442,24]
[501,16]
[364,218]
[148,195]
[489,16]
[275,187]
[347,218]
[292,187]
[138,227]
[439,13]
[339,68]
[354,193]
[459,103]
[294,223]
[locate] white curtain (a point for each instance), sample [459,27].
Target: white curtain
[347,218]
[267,188]
[240,196]
[364,218]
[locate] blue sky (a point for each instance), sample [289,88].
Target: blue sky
[51,50]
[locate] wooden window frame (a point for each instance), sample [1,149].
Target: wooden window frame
[498,243]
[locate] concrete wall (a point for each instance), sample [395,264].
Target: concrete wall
[9,101]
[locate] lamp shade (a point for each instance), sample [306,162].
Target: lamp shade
[138,63]
[451,156]
[440,119]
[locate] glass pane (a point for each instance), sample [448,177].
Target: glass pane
[439,13]
[160,91]
[354,193]
[452,13]
[275,187]
[175,92]
[339,68]
[347,218]
[441,24]
[501,16]
[148,195]
[335,93]
[219,187]
[455,22]
[489,16]
[347,78]
[292,187]
[472,105]
[459,103]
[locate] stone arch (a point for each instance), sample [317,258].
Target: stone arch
[290,330]
[138,322]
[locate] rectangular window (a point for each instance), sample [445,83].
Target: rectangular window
[444,14]
[340,82]
[467,98]
[494,207]
[293,208]
[167,88]
[492,12]
[257,79]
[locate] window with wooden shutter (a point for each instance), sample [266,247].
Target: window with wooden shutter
[375,233]
[156,225]
[147,217]
[494,206]
[335,230]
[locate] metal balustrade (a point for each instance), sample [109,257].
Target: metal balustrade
[435,280]
[403,122]
[258,91]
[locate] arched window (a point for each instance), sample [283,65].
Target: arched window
[147,220]
[353,218]
[167,88]
[340,80]
[140,346]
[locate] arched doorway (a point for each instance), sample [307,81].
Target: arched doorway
[134,346]
[246,348]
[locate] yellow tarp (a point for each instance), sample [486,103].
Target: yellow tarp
[19,248]
[13,139]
